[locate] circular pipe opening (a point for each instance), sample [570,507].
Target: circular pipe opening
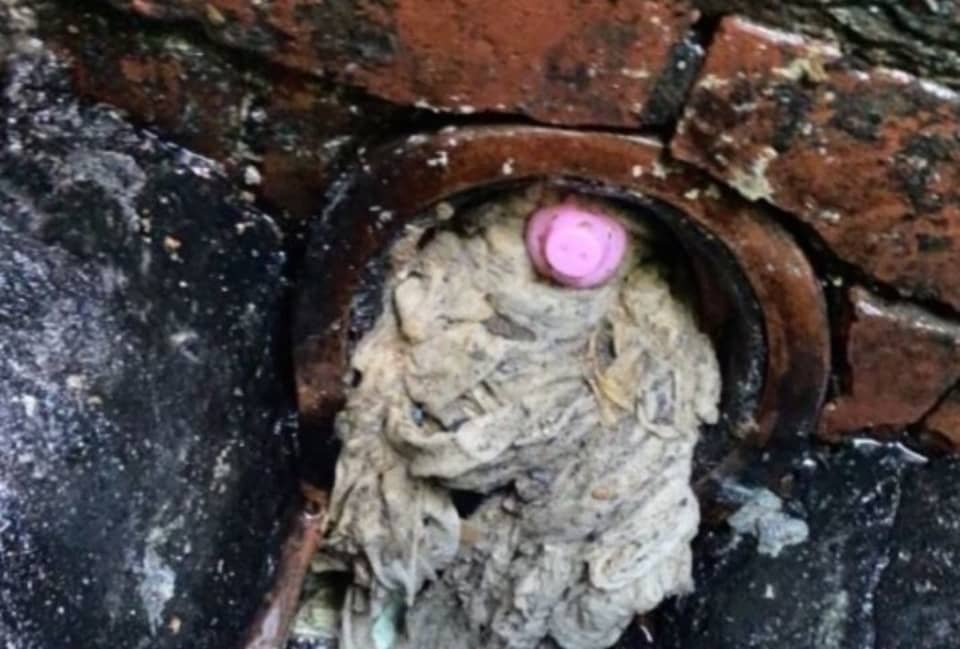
[726,306]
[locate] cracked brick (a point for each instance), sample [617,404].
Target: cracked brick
[901,361]
[869,158]
[558,61]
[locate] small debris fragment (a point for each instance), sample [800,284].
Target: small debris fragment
[171,244]
[752,182]
[440,160]
[444,211]
[251,176]
[214,16]
[762,516]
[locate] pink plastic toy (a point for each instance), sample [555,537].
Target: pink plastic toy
[574,246]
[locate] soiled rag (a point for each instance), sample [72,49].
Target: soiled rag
[572,413]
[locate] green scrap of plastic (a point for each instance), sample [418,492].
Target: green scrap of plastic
[385,628]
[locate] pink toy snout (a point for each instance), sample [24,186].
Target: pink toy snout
[574,246]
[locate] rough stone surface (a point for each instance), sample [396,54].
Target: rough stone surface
[559,61]
[143,470]
[901,361]
[819,594]
[17,22]
[915,604]
[869,160]
[879,570]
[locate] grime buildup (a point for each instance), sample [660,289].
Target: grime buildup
[570,414]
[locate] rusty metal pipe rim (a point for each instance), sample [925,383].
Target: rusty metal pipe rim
[403,179]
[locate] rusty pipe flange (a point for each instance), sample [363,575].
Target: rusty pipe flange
[739,250]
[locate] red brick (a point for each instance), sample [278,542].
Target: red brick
[870,160]
[900,360]
[944,421]
[559,61]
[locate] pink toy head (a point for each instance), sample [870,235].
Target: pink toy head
[575,246]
